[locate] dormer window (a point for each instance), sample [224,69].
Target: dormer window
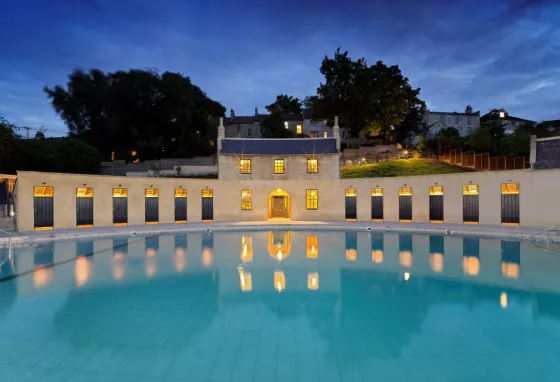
[502,114]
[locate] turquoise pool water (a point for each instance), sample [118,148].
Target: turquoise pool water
[280,306]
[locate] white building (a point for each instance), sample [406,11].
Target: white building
[318,128]
[466,123]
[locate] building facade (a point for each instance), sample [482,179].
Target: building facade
[466,123]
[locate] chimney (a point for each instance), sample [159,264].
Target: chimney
[336,133]
[231,113]
[221,134]
[256,111]
[468,110]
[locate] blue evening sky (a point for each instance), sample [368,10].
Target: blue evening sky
[488,53]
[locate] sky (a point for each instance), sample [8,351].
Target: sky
[242,53]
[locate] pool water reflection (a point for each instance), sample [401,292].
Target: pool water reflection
[280,306]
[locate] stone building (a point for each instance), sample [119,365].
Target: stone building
[466,123]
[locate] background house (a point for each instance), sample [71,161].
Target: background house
[509,122]
[466,123]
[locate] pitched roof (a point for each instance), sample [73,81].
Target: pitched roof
[248,119]
[494,114]
[292,146]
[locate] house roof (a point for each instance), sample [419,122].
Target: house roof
[291,146]
[494,114]
[452,112]
[249,119]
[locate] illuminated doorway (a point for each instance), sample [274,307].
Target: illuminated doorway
[279,206]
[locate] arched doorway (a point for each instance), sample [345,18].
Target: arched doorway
[279,205]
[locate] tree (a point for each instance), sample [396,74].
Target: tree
[272,126]
[487,138]
[8,150]
[67,155]
[40,135]
[286,103]
[376,99]
[153,114]
[394,102]
[449,137]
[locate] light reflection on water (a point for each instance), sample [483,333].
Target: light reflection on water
[366,305]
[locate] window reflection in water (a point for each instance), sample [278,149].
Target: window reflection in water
[436,262]
[279,244]
[511,258]
[42,277]
[471,265]
[377,248]
[312,247]
[207,250]
[118,270]
[471,253]
[377,256]
[436,253]
[180,259]
[245,280]
[246,249]
[405,250]
[279,281]
[504,300]
[82,270]
[351,246]
[313,281]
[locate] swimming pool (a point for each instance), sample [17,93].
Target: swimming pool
[280,306]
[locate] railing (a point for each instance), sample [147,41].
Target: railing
[480,162]
[25,239]
[547,230]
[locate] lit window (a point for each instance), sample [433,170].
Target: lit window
[133,153]
[278,166]
[207,193]
[376,192]
[312,199]
[350,192]
[112,155]
[152,193]
[312,166]
[180,193]
[298,129]
[436,190]
[470,189]
[246,200]
[510,188]
[120,192]
[314,134]
[325,134]
[245,166]
[84,192]
[286,125]
[502,114]
[405,191]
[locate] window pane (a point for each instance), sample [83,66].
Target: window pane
[279,166]
[245,166]
[312,199]
[246,200]
[312,166]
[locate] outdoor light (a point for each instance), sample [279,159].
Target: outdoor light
[12,213]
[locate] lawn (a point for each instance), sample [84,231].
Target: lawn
[401,167]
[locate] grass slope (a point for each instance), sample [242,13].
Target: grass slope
[401,167]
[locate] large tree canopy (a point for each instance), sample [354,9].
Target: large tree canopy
[286,103]
[153,114]
[272,126]
[8,150]
[376,99]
